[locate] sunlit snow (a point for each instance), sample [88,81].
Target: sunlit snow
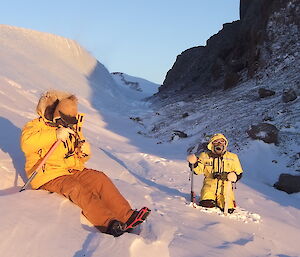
[36,223]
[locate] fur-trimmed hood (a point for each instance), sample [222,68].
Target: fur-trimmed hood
[49,101]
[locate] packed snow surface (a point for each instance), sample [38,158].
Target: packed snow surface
[37,223]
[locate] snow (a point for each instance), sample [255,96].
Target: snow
[37,223]
[239,213]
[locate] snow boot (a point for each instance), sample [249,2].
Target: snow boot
[230,211]
[137,218]
[115,228]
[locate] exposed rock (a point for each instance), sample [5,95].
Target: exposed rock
[185,115]
[137,119]
[178,133]
[238,51]
[268,118]
[288,183]
[131,84]
[231,79]
[265,132]
[201,65]
[265,92]
[289,96]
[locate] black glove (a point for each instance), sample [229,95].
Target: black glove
[192,166]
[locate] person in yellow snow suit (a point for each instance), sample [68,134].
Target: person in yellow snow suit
[219,167]
[64,171]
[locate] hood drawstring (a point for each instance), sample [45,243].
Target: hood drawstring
[220,170]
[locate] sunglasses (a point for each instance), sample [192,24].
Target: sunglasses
[219,142]
[70,120]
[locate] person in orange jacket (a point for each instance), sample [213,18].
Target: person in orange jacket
[64,171]
[219,167]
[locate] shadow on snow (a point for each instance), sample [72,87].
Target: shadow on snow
[10,143]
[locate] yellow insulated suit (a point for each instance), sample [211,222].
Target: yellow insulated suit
[37,137]
[64,172]
[214,189]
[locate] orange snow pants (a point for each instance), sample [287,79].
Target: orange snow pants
[95,194]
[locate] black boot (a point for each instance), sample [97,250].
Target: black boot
[115,228]
[231,210]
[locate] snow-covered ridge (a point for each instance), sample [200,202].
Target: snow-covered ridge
[64,49]
[37,61]
[42,61]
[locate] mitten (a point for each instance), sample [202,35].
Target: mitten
[232,176]
[85,148]
[63,133]
[192,158]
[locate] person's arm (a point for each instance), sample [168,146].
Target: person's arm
[198,166]
[34,137]
[236,169]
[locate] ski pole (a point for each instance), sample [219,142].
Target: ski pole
[193,196]
[216,194]
[45,158]
[228,189]
[218,179]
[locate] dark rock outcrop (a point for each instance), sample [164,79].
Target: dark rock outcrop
[231,56]
[289,96]
[185,115]
[178,133]
[263,93]
[288,183]
[265,132]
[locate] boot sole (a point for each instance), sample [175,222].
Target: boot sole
[140,218]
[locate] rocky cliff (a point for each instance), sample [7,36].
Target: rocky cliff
[266,35]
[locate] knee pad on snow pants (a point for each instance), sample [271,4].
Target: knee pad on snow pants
[207,203]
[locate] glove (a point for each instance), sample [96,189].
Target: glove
[63,133]
[232,176]
[192,158]
[85,148]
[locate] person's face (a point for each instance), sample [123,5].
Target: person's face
[220,141]
[219,146]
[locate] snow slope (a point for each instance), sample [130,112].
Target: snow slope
[36,223]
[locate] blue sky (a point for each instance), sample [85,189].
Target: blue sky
[139,37]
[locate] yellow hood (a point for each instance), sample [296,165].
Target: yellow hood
[215,137]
